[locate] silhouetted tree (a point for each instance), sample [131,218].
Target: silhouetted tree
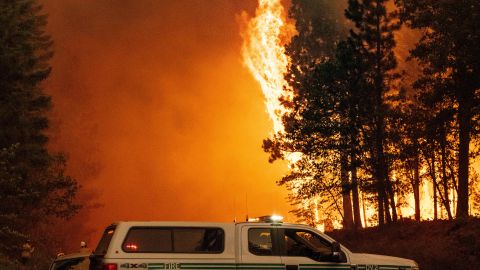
[33,185]
[374,30]
[439,135]
[408,137]
[450,57]
[323,170]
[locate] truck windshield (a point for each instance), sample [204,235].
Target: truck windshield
[104,241]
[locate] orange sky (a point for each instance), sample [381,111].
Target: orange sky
[160,119]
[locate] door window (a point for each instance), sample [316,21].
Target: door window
[303,243]
[260,241]
[105,241]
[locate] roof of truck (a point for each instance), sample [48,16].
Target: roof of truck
[260,220]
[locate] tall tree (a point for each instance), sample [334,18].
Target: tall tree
[346,89]
[450,57]
[374,30]
[409,133]
[439,135]
[319,27]
[33,185]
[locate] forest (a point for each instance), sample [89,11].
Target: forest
[35,190]
[381,130]
[379,124]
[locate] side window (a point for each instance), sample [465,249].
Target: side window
[174,240]
[260,241]
[148,240]
[198,240]
[304,243]
[104,241]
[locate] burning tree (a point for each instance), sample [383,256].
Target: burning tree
[313,179]
[333,83]
[449,55]
[355,129]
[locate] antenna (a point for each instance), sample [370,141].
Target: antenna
[246,206]
[234,209]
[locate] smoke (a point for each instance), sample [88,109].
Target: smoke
[159,118]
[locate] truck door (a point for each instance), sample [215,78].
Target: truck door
[259,248]
[304,249]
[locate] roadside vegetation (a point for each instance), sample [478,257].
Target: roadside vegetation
[35,191]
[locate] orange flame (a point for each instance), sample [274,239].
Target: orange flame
[264,55]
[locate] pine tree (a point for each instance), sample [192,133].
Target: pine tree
[345,87]
[450,57]
[33,185]
[374,30]
[322,171]
[438,136]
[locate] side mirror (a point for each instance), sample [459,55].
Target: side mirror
[337,255]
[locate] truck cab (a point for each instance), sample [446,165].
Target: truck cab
[261,245]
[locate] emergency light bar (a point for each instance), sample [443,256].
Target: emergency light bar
[267,219]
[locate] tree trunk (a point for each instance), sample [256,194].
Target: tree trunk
[443,142]
[355,200]
[353,169]
[434,180]
[379,116]
[436,189]
[381,166]
[364,210]
[388,216]
[380,196]
[435,204]
[391,195]
[416,186]
[346,199]
[464,118]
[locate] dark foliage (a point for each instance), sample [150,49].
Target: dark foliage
[33,183]
[450,57]
[360,123]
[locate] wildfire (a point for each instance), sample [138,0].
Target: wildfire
[264,55]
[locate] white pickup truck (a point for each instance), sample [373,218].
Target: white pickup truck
[263,245]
